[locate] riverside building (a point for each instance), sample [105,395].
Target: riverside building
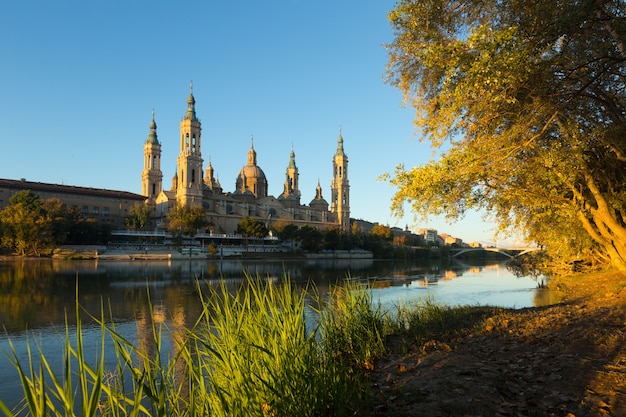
[195,185]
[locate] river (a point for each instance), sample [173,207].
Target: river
[38,297]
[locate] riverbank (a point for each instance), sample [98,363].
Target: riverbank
[567,359]
[147,253]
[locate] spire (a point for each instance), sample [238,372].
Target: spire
[210,180]
[318,191]
[191,105]
[209,169]
[340,143]
[252,153]
[152,136]
[292,158]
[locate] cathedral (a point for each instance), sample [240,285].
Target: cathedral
[194,186]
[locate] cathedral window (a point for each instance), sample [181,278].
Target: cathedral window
[193,175]
[153,188]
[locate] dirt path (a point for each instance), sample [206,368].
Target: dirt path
[567,359]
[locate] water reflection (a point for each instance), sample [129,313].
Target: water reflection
[41,295]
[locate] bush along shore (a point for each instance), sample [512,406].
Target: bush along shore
[272,350]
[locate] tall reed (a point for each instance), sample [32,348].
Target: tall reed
[351,325]
[249,353]
[262,359]
[77,391]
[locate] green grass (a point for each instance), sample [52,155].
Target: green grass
[267,349]
[424,319]
[261,359]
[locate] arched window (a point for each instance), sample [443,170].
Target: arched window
[193,175]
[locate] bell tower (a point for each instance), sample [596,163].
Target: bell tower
[189,169]
[340,188]
[151,177]
[291,189]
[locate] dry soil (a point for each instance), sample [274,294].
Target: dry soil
[566,359]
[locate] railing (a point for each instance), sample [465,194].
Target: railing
[197,236]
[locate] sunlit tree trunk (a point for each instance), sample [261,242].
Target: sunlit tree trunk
[604,227]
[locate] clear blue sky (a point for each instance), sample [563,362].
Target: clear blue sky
[80,79]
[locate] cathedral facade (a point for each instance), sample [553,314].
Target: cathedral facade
[194,186]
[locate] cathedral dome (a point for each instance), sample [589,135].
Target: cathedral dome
[252,172]
[319,203]
[251,177]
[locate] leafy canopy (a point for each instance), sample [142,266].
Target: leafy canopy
[138,217]
[32,226]
[527,102]
[186,220]
[249,226]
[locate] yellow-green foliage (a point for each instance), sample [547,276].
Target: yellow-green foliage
[263,350]
[351,326]
[261,359]
[260,351]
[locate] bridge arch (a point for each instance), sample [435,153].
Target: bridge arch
[503,251]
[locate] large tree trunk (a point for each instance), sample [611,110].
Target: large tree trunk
[604,227]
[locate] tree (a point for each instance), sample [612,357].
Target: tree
[311,238]
[527,102]
[31,226]
[332,239]
[249,226]
[89,232]
[185,220]
[138,217]
[60,219]
[382,231]
[25,228]
[286,232]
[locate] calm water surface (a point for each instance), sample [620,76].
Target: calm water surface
[38,298]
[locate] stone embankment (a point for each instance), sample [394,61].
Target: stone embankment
[137,252]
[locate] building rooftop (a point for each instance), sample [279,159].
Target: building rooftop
[68,189]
